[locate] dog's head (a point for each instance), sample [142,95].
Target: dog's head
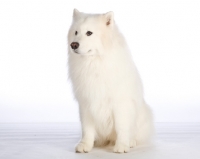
[90,33]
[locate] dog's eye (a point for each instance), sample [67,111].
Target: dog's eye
[89,33]
[76,32]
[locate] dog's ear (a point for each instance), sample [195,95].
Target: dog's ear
[76,13]
[109,16]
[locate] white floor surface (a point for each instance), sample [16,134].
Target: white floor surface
[57,141]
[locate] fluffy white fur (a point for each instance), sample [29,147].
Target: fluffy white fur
[106,85]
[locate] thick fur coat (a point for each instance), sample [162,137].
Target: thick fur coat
[106,85]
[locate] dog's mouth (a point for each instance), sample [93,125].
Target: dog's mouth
[76,51]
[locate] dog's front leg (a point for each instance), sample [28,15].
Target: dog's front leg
[88,132]
[123,118]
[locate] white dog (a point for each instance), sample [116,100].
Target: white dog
[106,85]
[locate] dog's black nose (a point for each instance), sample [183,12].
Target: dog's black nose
[74,45]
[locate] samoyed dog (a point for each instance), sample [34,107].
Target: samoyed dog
[106,85]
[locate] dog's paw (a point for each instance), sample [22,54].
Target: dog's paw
[132,143]
[83,148]
[120,148]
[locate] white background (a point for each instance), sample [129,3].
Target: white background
[163,35]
